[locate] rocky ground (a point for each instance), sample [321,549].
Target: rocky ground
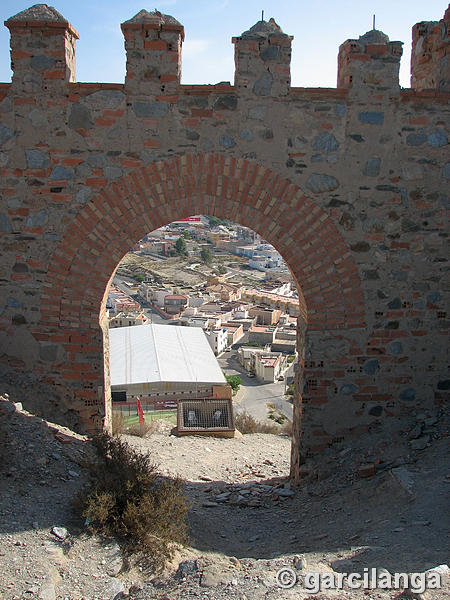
[185,271]
[379,502]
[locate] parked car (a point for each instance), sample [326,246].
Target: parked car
[250,375]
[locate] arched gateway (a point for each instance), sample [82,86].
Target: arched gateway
[152,196]
[348,184]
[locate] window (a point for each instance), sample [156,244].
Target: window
[119,396]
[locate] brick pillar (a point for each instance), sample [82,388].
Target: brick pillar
[153,46]
[42,50]
[297,451]
[369,66]
[262,58]
[74,368]
[430,55]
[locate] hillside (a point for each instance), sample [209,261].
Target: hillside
[245,521]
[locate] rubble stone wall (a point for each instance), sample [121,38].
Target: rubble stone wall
[349,184]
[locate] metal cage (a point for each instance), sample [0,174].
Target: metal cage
[207,415]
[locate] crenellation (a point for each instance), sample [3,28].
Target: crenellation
[262,58]
[42,50]
[153,46]
[369,67]
[430,55]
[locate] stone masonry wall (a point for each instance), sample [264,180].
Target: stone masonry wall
[430,55]
[351,188]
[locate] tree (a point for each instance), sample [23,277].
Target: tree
[206,255]
[180,246]
[215,221]
[139,278]
[234,381]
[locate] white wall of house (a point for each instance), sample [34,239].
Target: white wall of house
[217,339]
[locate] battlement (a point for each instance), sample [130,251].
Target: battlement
[43,57]
[430,61]
[153,46]
[42,49]
[263,60]
[370,65]
[350,185]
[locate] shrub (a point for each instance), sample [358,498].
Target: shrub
[278,417]
[127,498]
[138,429]
[290,390]
[117,422]
[245,423]
[119,426]
[287,428]
[234,381]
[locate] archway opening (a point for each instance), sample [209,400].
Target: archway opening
[111,222]
[229,284]
[226,280]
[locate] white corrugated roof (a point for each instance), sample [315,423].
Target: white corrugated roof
[151,353]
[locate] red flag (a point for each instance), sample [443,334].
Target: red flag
[140,412]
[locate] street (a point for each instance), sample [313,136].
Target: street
[255,395]
[151,314]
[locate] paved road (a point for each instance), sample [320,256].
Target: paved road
[256,394]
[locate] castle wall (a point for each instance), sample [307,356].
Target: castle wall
[350,187]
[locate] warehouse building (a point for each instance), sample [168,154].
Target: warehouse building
[161,364]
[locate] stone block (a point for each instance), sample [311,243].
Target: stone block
[80,117]
[5,134]
[318,182]
[372,118]
[36,159]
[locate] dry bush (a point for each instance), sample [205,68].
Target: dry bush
[119,426]
[117,422]
[287,428]
[278,417]
[139,430]
[245,423]
[127,498]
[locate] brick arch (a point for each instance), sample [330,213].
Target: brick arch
[213,184]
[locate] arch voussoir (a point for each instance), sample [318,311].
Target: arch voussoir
[156,193]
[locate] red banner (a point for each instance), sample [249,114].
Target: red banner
[140,412]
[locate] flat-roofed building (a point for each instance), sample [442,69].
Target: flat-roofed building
[128,320]
[235,331]
[160,364]
[265,315]
[266,365]
[217,338]
[261,334]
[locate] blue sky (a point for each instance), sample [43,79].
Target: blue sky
[318,29]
